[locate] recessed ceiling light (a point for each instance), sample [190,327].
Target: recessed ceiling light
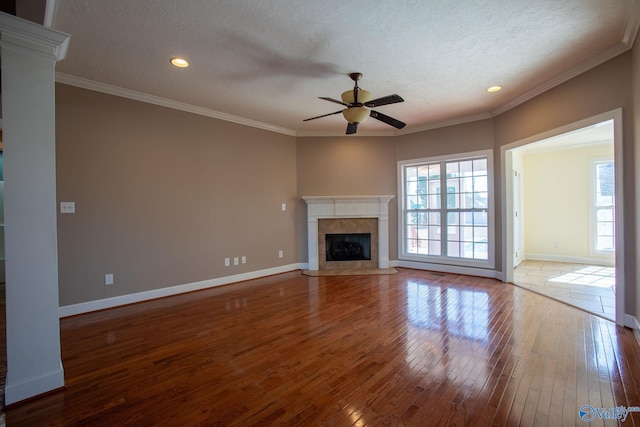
[179,62]
[494,89]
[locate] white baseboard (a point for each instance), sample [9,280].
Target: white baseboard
[633,323]
[443,268]
[572,259]
[86,307]
[16,391]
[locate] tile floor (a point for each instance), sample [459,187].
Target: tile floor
[589,287]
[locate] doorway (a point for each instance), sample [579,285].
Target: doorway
[542,239]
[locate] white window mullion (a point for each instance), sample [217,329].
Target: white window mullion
[468,180]
[444,223]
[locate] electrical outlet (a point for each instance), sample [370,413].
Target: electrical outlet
[67,207]
[108,279]
[284,206]
[227,262]
[280,253]
[244,259]
[235,261]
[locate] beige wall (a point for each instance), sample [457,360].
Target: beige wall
[163,196]
[346,166]
[462,138]
[557,198]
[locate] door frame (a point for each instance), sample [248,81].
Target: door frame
[506,164]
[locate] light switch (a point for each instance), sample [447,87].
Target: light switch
[67,207]
[284,206]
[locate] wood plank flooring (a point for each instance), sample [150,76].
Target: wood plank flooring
[415,348]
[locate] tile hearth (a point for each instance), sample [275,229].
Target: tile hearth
[350,272]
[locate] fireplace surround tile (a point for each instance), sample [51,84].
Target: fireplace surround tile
[347,225]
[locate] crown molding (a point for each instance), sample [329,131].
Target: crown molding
[164,102]
[630,31]
[564,77]
[629,34]
[632,24]
[446,123]
[361,133]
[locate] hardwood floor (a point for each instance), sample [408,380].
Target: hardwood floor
[415,348]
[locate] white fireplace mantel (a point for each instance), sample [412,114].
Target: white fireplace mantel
[320,207]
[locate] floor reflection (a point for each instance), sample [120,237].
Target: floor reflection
[460,312]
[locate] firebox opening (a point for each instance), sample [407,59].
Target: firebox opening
[348,247]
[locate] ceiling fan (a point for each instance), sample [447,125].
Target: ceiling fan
[358,101]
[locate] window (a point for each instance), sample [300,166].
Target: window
[604,206]
[446,209]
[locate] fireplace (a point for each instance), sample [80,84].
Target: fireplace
[348,215]
[341,228]
[348,247]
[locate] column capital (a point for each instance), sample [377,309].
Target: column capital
[22,34]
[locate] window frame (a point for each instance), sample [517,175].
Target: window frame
[443,258]
[593,222]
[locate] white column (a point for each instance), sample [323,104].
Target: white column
[383,235]
[312,235]
[29,53]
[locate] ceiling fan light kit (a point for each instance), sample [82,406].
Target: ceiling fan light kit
[350,98]
[356,115]
[358,101]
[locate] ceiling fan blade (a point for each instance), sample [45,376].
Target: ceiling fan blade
[334,100]
[385,100]
[352,128]
[388,120]
[324,115]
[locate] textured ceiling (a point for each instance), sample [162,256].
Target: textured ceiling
[267,62]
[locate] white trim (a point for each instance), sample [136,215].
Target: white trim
[571,259]
[35,38]
[506,164]
[33,386]
[361,133]
[592,214]
[86,307]
[164,102]
[632,24]
[564,77]
[446,123]
[152,99]
[445,268]
[443,259]
[50,10]
[323,207]
[632,322]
